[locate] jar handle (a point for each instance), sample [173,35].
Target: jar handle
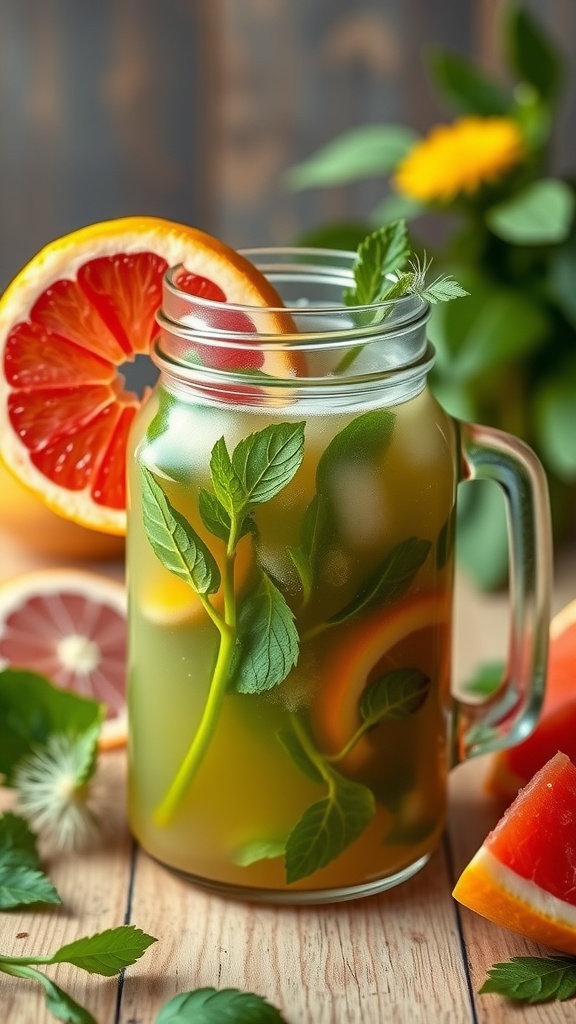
[510,713]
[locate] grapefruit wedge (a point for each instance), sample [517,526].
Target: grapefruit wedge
[522,877]
[70,626]
[556,728]
[357,657]
[71,322]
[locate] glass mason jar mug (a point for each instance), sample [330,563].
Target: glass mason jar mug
[290,565]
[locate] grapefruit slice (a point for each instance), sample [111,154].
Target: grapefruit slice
[522,877]
[70,626]
[71,322]
[354,659]
[556,729]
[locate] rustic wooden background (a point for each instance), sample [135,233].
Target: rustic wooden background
[192,109]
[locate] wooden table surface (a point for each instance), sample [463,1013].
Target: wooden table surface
[409,955]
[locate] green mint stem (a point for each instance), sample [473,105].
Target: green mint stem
[314,755]
[170,803]
[360,732]
[10,965]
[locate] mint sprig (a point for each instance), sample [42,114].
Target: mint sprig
[380,255]
[106,954]
[258,642]
[533,979]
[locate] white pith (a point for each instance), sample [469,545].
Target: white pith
[524,890]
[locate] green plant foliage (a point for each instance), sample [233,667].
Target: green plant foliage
[505,354]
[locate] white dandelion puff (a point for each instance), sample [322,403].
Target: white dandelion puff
[55,794]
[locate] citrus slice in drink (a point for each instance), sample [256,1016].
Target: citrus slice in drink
[357,657]
[72,323]
[522,877]
[556,728]
[70,626]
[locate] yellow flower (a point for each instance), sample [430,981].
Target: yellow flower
[460,158]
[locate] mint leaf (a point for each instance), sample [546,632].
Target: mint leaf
[21,885]
[391,579]
[380,254]
[257,850]
[533,979]
[299,755]
[486,679]
[317,530]
[18,839]
[227,485]
[365,438]
[443,289]
[213,514]
[175,542]
[396,694]
[32,709]
[267,460]
[106,953]
[60,1003]
[328,827]
[226,1006]
[267,640]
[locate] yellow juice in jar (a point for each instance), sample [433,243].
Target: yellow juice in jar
[333,778]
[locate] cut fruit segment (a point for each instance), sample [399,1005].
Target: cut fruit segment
[70,626]
[354,658]
[522,877]
[556,729]
[82,309]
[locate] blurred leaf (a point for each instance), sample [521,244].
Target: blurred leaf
[482,534]
[555,410]
[396,207]
[489,328]
[538,215]
[344,235]
[454,397]
[365,152]
[562,278]
[486,679]
[467,89]
[530,52]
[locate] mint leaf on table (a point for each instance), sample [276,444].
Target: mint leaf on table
[106,953]
[22,880]
[224,1006]
[32,709]
[392,578]
[175,542]
[533,979]
[380,254]
[395,695]
[328,827]
[268,643]
[61,1004]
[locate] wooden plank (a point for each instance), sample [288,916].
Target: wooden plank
[393,957]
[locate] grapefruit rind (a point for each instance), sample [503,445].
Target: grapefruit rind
[522,906]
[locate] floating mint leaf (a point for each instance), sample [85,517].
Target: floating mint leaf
[317,531]
[294,748]
[267,640]
[396,694]
[390,581]
[257,850]
[106,953]
[443,289]
[365,438]
[223,1006]
[175,542]
[383,252]
[328,827]
[215,517]
[267,460]
[533,979]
